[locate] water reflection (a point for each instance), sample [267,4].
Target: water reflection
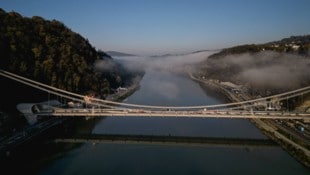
[162,88]
[171,89]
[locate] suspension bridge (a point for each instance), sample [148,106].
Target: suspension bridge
[95,107]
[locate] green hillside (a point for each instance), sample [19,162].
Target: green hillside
[50,52]
[264,69]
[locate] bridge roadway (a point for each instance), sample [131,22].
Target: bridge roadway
[217,111]
[96,112]
[106,103]
[10,143]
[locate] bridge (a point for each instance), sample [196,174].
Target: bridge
[95,107]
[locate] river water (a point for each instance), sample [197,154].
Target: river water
[163,88]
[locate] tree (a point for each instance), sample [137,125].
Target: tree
[50,52]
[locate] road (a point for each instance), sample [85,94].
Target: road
[93,112]
[27,134]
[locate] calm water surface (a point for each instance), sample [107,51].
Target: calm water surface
[162,88]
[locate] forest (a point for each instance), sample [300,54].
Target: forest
[49,52]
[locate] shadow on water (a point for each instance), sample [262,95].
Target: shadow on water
[41,151]
[166,140]
[43,156]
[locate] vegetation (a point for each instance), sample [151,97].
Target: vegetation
[264,69]
[49,52]
[295,45]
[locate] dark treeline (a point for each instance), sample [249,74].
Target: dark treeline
[264,69]
[299,45]
[49,52]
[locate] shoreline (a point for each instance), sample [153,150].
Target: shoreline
[26,133]
[121,95]
[299,152]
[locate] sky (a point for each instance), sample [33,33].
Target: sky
[150,27]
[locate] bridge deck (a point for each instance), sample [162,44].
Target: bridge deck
[194,114]
[159,111]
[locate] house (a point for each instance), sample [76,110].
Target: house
[121,89]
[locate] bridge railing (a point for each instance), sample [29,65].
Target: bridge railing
[112,104]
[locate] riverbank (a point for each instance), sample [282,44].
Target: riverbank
[17,137]
[127,91]
[299,151]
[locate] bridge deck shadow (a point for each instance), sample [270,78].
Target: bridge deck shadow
[167,140]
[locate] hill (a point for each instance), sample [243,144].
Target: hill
[264,68]
[50,52]
[295,45]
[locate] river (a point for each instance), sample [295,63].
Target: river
[160,87]
[163,88]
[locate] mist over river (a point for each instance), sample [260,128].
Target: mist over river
[166,88]
[160,87]
[171,89]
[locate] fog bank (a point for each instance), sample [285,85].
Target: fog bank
[268,70]
[170,63]
[161,68]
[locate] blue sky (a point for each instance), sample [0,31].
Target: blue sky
[148,27]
